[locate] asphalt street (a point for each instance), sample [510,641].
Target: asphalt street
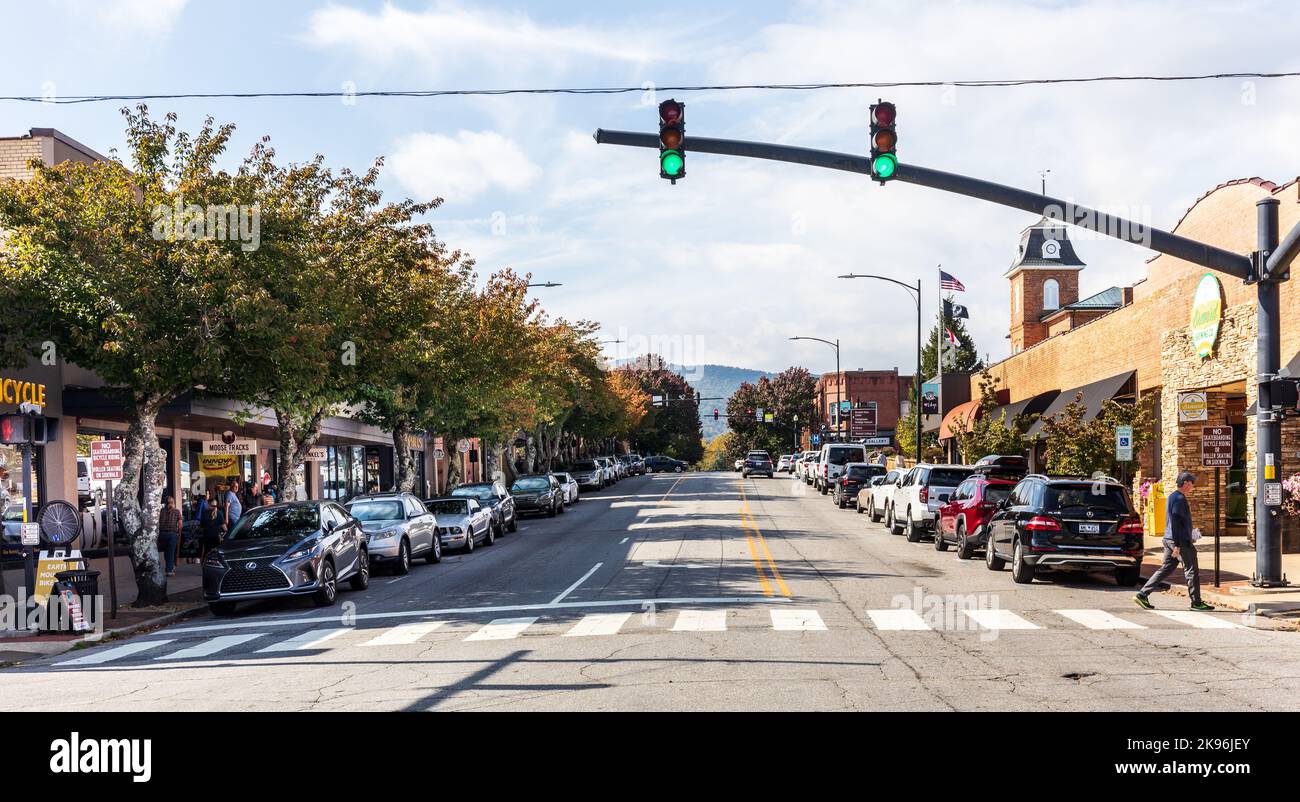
[698,591]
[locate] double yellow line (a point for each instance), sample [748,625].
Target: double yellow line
[756,543]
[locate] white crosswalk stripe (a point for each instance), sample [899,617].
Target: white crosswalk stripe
[210,646]
[701,621]
[598,624]
[999,619]
[98,656]
[307,640]
[797,621]
[502,629]
[1098,619]
[1197,620]
[902,619]
[404,633]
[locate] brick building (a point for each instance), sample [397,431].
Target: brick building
[1126,342]
[887,388]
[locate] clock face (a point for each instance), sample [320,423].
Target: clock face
[1051,249]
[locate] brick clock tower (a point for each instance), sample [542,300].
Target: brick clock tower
[1044,277]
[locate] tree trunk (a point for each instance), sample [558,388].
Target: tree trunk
[403,459]
[295,443]
[143,462]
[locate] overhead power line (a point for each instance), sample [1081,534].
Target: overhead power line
[620,90]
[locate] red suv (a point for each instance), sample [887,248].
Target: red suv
[964,517]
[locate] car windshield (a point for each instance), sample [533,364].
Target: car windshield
[376,510]
[274,522]
[448,507]
[843,456]
[480,492]
[1062,498]
[531,485]
[947,477]
[561,478]
[586,465]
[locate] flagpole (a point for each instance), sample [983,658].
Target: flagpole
[939,351]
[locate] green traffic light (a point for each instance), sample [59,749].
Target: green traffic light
[671,163]
[883,166]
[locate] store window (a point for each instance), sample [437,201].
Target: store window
[11,481]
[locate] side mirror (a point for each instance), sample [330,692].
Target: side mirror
[329,526]
[943,497]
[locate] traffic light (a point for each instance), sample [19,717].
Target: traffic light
[884,141]
[715,413]
[17,430]
[672,133]
[1286,394]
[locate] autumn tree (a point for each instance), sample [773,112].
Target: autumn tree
[672,428]
[791,398]
[1077,446]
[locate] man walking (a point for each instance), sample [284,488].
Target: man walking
[1178,547]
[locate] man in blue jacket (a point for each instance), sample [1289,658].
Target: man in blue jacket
[1178,546]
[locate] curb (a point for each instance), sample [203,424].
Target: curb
[52,649]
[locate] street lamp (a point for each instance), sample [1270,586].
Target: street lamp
[547,284]
[796,434]
[917,291]
[839,380]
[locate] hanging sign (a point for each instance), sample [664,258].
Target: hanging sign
[1207,315]
[1193,407]
[234,448]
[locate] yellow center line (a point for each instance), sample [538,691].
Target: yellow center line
[747,520]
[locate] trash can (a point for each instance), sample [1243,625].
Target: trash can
[75,605]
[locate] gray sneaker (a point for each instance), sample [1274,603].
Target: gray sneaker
[1143,602]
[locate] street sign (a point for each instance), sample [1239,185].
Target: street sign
[863,422]
[845,406]
[106,460]
[438,453]
[31,534]
[462,446]
[1273,494]
[769,417]
[1123,443]
[758,414]
[815,439]
[1216,446]
[1193,407]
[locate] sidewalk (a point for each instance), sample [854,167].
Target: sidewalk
[184,597]
[1236,565]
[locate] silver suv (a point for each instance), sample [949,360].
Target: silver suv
[398,527]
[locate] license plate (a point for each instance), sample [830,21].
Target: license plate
[1089,529]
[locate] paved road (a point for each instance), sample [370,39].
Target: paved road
[699,591]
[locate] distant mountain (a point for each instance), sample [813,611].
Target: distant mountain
[713,381]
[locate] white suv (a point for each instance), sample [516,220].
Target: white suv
[881,495]
[831,466]
[916,502]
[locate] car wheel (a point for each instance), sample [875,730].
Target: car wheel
[1022,573]
[678,469]
[514,523]
[1128,576]
[329,588]
[402,566]
[435,554]
[823,489]
[468,548]
[940,542]
[964,549]
[913,531]
[891,521]
[841,502]
[550,511]
[872,512]
[489,536]
[563,507]
[361,579]
[991,558]
[222,608]
[859,506]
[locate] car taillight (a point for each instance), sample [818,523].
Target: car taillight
[1133,526]
[925,495]
[1040,523]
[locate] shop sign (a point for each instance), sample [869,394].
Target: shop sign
[1207,314]
[17,392]
[234,448]
[318,454]
[876,441]
[1193,407]
[219,466]
[46,568]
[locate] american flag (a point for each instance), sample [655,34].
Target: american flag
[952,338]
[949,282]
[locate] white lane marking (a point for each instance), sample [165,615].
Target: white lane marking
[211,646]
[502,608]
[624,540]
[902,619]
[404,633]
[598,624]
[575,585]
[307,640]
[98,656]
[797,621]
[999,619]
[1198,620]
[502,629]
[701,621]
[1098,619]
[398,579]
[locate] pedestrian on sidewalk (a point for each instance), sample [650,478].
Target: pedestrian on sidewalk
[234,507]
[1178,547]
[169,533]
[212,524]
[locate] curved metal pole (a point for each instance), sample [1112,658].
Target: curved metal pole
[839,380]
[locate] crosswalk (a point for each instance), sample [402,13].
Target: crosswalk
[784,618]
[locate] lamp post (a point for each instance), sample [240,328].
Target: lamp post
[796,433]
[546,284]
[917,291]
[839,379]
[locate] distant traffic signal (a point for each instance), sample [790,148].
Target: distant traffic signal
[884,141]
[715,413]
[672,134]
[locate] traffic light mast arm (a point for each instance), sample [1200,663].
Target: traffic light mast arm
[1190,250]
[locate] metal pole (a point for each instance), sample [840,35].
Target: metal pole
[839,395]
[1268,421]
[112,553]
[919,340]
[29,564]
[1218,478]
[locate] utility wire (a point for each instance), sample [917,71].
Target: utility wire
[620,90]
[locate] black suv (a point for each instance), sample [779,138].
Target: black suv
[664,465]
[856,476]
[757,462]
[1066,524]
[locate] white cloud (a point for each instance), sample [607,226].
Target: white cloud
[460,168]
[148,17]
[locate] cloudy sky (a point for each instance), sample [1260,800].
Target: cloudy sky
[741,255]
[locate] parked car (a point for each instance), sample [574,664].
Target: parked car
[632,464]
[657,464]
[463,522]
[785,463]
[882,495]
[300,548]
[915,506]
[398,529]
[540,493]
[607,465]
[498,501]
[590,474]
[569,485]
[1055,524]
[757,462]
[810,467]
[834,456]
[801,463]
[857,477]
[964,517]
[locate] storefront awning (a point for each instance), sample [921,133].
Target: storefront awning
[1028,406]
[1092,396]
[960,416]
